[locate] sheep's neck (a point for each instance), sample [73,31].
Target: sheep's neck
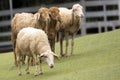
[44,49]
[75,21]
[53,23]
[42,23]
[74,27]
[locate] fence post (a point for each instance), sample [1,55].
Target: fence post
[99,28]
[11,9]
[105,17]
[83,27]
[113,27]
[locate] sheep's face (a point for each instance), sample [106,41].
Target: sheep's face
[77,10]
[49,58]
[54,13]
[44,14]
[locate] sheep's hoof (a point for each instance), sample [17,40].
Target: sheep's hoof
[40,73]
[62,55]
[16,64]
[19,74]
[27,72]
[66,55]
[36,74]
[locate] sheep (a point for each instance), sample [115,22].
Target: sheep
[21,20]
[33,42]
[43,19]
[71,23]
[53,28]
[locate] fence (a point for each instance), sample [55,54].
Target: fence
[101,13]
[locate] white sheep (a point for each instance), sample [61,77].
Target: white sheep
[33,42]
[71,20]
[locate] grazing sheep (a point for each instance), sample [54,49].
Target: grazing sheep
[38,20]
[33,42]
[71,23]
[53,28]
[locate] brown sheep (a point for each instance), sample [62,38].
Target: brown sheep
[38,20]
[71,23]
[53,28]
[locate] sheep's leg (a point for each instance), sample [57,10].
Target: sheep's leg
[32,61]
[14,44]
[57,37]
[18,59]
[66,50]
[36,65]
[23,60]
[40,63]
[53,45]
[61,44]
[27,69]
[15,57]
[19,66]
[72,44]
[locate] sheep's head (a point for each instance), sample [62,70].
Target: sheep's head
[44,14]
[54,13]
[49,57]
[77,10]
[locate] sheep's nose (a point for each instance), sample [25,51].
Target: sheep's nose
[77,16]
[51,66]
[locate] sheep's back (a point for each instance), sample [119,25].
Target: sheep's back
[22,20]
[66,15]
[31,38]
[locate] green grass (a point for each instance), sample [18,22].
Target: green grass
[97,57]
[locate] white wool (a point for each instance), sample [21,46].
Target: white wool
[35,38]
[71,20]
[32,42]
[65,15]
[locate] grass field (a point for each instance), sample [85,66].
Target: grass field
[97,57]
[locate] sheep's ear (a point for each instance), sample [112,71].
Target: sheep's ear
[42,55]
[56,56]
[50,13]
[37,16]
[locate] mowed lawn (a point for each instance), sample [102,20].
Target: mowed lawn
[96,57]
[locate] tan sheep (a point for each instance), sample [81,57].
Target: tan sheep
[38,20]
[53,28]
[71,23]
[33,42]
